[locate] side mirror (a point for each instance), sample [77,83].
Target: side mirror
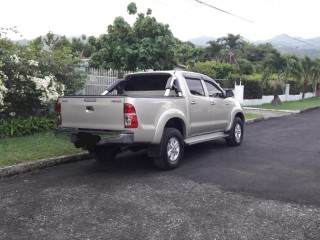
[229,93]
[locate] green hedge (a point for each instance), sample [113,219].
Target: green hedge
[253,88]
[16,127]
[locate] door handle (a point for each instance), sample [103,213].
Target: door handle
[193,103]
[212,103]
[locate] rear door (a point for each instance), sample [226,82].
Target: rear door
[92,112]
[199,105]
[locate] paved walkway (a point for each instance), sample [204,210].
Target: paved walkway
[269,113]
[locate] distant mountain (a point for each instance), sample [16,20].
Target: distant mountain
[296,45]
[283,43]
[201,41]
[22,41]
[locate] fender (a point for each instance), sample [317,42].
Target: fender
[163,120]
[234,112]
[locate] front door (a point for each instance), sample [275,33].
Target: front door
[220,106]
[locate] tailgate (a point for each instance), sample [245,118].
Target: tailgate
[92,112]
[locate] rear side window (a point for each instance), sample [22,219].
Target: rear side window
[195,87]
[147,82]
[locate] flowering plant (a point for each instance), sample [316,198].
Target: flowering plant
[23,86]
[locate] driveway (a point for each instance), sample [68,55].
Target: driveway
[268,188]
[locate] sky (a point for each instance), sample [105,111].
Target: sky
[188,19]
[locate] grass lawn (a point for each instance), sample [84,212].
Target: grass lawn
[251,116]
[293,105]
[32,148]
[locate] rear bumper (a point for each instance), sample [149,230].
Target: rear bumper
[84,137]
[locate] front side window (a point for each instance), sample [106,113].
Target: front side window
[213,90]
[195,87]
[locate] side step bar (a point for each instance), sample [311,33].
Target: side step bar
[205,138]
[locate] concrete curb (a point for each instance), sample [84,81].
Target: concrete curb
[254,120]
[41,164]
[274,110]
[309,109]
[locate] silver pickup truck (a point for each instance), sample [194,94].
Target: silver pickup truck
[161,111]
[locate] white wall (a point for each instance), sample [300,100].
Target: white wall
[268,99]
[239,94]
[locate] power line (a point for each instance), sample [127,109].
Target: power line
[221,10]
[299,40]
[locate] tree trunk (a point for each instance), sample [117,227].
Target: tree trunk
[317,90]
[304,87]
[276,101]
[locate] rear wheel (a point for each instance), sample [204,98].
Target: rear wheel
[172,149]
[104,154]
[236,133]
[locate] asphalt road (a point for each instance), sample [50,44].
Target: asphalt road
[268,188]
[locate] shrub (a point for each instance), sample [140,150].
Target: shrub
[17,127]
[253,85]
[214,69]
[252,89]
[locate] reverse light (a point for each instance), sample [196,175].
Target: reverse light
[130,116]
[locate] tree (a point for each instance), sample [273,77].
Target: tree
[132,8]
[307,67]
[213,51]
[214,69]
[115,49]
[282,67]
[147,44]
[315,77]
[233,46]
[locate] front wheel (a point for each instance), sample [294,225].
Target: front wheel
[236,133]
[172,149]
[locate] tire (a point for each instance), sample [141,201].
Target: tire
[104,154]
[236,133]
[172,150]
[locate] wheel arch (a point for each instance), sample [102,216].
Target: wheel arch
[237,114]
[178,124]
[241,116]
[172,121]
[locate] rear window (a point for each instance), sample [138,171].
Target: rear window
[146,82]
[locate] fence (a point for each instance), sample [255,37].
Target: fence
[99,79]
[239,89]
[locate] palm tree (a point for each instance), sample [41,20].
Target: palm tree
[315,77]
[274,63]
[213,51]
[233,45]
[281,65]
[307,67]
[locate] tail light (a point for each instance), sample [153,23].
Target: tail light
[130,116]
[59,119]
